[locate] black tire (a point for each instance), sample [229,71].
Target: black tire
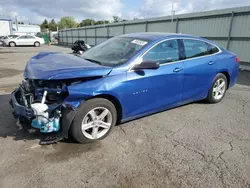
[210,98]
[37,44]
[84,108]
[12,44]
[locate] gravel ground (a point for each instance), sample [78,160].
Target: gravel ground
[196,145]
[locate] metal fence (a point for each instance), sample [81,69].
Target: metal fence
[229,28]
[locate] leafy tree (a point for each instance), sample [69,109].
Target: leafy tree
[86,22]
[22,23]
[18,22]
[117,19]
[100,22]
[67,22]
[44,25]
[52,25]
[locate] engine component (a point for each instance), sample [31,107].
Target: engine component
[42,120]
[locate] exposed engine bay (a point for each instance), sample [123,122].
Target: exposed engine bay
[45,99]
[44,102]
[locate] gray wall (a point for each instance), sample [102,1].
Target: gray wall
[230,28]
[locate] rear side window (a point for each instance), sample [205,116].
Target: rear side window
[196,48]
[29,37]
[164,52]
[212,49]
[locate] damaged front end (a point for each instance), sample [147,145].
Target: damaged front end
[53,88]
[42,104]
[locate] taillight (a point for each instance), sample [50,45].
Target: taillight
[237,59]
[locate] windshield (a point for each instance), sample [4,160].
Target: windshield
[115,51]
[11,36]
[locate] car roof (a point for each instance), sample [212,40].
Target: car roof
[158,35]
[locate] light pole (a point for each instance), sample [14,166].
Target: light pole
[172,11]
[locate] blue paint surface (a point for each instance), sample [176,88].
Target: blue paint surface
[57,66]
[139,92]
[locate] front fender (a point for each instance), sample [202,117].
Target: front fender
[110,85]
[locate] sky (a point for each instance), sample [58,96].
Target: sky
[34,11]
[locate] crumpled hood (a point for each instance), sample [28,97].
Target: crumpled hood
[55,66]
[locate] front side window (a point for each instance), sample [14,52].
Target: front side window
[164,52]
[22,37]
[196,48]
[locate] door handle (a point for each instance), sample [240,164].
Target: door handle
[177,69]
[211,62]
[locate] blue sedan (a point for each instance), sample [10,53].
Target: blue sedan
[121,79]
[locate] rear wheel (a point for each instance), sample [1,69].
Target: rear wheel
[12,44]
[218,89]
[37,44]
[94,120]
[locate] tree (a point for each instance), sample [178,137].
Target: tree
[44,25]
[18,22]
[86,22]
[22,23]
[117,19]
[100,22]
[67,22]
[52,25]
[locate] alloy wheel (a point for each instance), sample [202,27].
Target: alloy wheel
[219,89]
[96,123]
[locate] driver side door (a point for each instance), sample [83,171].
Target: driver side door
[149,90]
[21,40]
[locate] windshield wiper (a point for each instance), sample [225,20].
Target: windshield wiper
[94,61]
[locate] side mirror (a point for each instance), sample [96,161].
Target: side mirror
[146,65]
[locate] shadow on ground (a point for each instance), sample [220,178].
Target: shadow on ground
[63,46]
[9,127]
[244,78]
[61,152]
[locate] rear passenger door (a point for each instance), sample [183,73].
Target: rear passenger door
[199,68]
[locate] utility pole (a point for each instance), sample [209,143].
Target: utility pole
[16,23]
[172,11]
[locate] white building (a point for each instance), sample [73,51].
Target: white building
[5,26]
[23,29]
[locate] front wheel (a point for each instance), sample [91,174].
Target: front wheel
[12,44]
[218,89]
[94,120]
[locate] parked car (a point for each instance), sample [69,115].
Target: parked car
[24,40]
[121,79]
[3,38]
[79,47]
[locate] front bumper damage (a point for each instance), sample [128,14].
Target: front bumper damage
[59,116]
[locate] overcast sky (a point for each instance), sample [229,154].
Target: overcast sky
[34,11]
